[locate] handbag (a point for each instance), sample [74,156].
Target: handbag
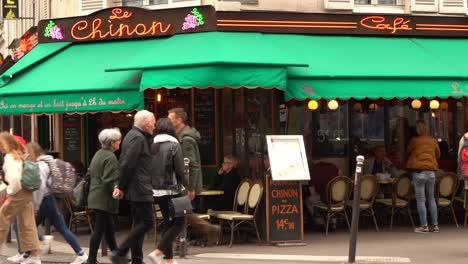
[180,204]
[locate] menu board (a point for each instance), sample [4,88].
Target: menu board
[284,211]
[205,123]
[72,138]
[288,158]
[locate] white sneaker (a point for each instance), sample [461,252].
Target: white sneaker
[80,259]
[32,260]
[155,259]
[17,259]
[46,244]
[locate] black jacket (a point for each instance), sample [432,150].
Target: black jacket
[228,182]
[135,166]
[168,161]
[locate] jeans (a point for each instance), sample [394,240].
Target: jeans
[424,185]
[143,221]
[49,209]
[104,227]
[171,227]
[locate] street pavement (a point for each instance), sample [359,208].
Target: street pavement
[399,245]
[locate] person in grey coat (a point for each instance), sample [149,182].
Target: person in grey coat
[135,184]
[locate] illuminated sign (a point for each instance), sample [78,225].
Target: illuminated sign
[10,9]
[128,22]
[342,24]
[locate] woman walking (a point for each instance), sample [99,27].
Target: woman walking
[104,175]
[19,203]
[168,180]
[48,208]
[423,152]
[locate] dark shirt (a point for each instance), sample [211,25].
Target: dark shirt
[228,182]
[378,168]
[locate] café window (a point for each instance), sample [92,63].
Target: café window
[379,2]
[368,125]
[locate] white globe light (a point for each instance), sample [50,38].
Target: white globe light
[312,105]
[333,105]
[434,104]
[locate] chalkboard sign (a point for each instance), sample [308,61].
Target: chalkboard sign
[205,123]
[72,138]
[284,211]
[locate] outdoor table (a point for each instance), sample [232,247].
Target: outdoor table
[205,193]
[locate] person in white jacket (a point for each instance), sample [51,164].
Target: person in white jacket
[19,203]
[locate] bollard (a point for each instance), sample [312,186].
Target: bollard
[183,234]
[355,216]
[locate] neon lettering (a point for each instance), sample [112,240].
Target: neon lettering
[82,30]
[380,23]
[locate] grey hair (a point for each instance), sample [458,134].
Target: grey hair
[142,117]
[109,136]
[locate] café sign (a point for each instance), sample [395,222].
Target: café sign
[127,23]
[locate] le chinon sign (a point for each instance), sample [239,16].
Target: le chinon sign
[132,22]
[126,23]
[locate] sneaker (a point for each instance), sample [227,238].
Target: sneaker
[155,259]
[17,259]
[46,244]
[32,260]
[421,229]
[434,229]
[81,259]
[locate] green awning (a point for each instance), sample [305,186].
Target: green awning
[74,80]
[215,76]
[210,59]
[374,67]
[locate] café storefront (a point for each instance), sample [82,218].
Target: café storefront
[345,82]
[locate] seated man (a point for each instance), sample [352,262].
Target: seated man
[228,180]
[321,174]
[379,163]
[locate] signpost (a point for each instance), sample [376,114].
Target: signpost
[355,217]
[285,223]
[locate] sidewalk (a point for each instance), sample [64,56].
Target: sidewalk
[399,245]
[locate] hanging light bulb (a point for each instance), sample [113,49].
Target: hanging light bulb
[373,107]
[444,106]
[312,105]
[416,104]
[159,98]
[434,104]
[357,107]
[333,105]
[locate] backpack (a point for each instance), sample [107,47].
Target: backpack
[463,166]
[81,191]
[31,178]
[62,177]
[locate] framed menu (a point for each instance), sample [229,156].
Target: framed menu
[204,112]
[72,138]
[288,158]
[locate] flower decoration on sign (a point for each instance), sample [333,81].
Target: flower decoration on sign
[193,20]
[53,31]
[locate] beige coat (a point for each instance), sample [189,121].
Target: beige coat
[423,152]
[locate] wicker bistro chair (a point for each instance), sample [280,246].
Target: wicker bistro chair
[78,216]
[240,200]
[338,192]
[250,212]
[400,197]
[447,186]
[369,190]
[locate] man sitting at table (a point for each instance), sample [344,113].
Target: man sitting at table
[379,163]
[228,180]
[321,174]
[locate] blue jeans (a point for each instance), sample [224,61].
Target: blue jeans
[424,185]
[49,209]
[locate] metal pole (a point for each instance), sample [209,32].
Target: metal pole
[183,234]
[355,216]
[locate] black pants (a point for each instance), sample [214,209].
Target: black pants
[172,226]
[104,226]
[143,221]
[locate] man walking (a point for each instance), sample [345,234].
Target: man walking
[135,184]
[189,138]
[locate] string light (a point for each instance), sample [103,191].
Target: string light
[312,105]
[333,105]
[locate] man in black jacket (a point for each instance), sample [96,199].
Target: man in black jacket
[136,185]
